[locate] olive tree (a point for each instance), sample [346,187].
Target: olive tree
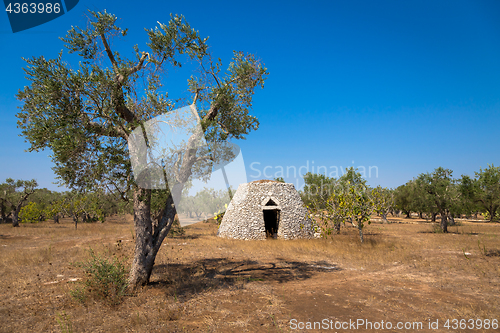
[483,190]
[85,112]
[441,187]
[403,198]
[383,201]
[317,189]
[349,200]
[14,194]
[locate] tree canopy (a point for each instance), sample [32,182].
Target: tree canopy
[483,190]
[85,114]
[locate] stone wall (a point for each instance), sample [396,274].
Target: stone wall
[244,218]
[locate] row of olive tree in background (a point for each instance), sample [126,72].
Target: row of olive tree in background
[349,199]
[13,194]
[205,203]
[438,193]
[21,201]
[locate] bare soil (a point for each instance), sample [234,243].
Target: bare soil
[403,272]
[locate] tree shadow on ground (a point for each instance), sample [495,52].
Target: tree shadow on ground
[188,280]
[448,233]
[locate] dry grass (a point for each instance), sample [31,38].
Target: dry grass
[403,271]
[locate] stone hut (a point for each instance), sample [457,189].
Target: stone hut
[266,209]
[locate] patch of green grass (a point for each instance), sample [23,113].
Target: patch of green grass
[64,322]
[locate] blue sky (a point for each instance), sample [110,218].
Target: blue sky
[403,86]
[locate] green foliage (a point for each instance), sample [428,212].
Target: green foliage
[30,213]
[357,202]
[176,229]
[468,189]
[383,201]
[438,192]
[84,112]
[412,196]
[317,188]
[352,178]
[403,198]
[13,194]
[42,198]
[207,202]
[218,216]
[90,206]
[106,280]
[279,179]
[442,190]
[349,201]
[421,200]
[488,217]
[483,191]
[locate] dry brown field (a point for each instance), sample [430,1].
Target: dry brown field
[402,273]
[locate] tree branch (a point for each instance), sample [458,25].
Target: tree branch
[211,72]
[201,158]
[109,53]
[118,98]
[224,129]
[139,65]
[114,132]
[196,96]
[212,113]
[176,165]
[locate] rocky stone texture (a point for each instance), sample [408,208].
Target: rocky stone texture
[244,217]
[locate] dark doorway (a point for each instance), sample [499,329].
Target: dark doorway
[271,222]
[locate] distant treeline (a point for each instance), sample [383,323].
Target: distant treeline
[348,198]
[22,202]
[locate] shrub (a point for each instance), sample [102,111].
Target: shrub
[176,229]
[30,213]
[436,228]
[106,280]
[218,218]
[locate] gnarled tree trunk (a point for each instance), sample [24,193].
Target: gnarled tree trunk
[15,217]
[337,227]
[17,208]
[433,218]
[452,219]
[149,235]
[444,221]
